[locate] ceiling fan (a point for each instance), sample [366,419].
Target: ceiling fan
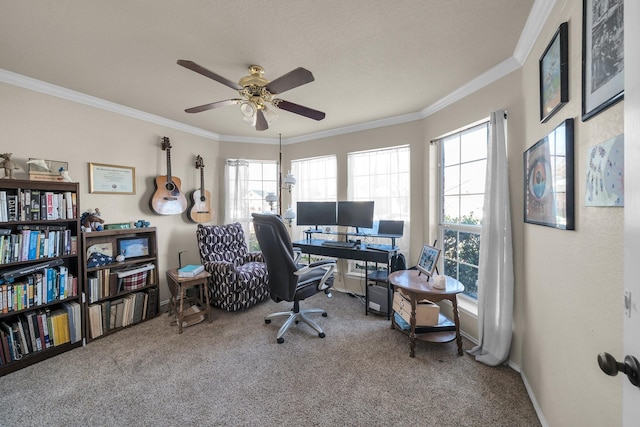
[256,93]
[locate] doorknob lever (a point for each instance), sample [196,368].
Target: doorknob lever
[630,367]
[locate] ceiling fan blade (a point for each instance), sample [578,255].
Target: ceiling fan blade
[201,70]
[213,105]
[295,78]
[298,109]
[261,122]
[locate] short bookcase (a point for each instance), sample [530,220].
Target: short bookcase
[41,283]
[120,293]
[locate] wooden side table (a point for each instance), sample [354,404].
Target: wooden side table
[178,287]
[418,287]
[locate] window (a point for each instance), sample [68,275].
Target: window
[317,182]
[382,175]
[462,177]
[247,184]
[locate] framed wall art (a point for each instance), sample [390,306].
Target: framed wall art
[111,179]
[554,74]
[605,173]
[602,55]
[549,181]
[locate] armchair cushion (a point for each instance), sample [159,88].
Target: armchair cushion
[239,278]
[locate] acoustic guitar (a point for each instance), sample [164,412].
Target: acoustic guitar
[200,206]
[167,198]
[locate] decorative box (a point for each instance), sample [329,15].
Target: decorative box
[427,312]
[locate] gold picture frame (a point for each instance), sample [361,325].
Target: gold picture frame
[111,179]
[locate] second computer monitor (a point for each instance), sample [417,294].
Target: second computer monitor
[355,214]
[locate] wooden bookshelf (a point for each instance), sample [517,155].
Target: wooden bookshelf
[119,294]
[41,286]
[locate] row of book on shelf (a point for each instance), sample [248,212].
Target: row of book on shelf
[109,282]
[37,205]
[32,242]
[118,313]
[42,287]
[39,330]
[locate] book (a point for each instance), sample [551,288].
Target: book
[12,207]
[190,270]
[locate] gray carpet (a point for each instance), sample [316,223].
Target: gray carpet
[232,372]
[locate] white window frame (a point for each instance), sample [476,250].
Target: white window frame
[447,227]
[388,185]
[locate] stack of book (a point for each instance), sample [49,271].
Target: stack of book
[190,270]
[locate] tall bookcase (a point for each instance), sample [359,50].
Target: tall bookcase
[119,293]
[41,286]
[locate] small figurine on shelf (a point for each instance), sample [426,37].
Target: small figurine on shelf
[8,165]
[65,175]
[141,223]
[91,221]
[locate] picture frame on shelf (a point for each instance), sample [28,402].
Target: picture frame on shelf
[602,55]
[111,179]
[549,179]
[554,74]
[133,247]
[428,259]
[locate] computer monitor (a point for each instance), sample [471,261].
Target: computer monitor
[355,214]
[390,228]
[316,213]
[428,259]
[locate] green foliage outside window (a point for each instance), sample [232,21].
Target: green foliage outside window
[462,253]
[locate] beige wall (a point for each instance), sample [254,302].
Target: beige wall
[568,284]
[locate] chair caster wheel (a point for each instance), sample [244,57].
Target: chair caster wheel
[321,335]
[280,340]
[296,322]
[324,314]
[267,321]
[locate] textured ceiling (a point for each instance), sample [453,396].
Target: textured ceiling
[371,59]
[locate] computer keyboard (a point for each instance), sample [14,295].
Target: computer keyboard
[334,244]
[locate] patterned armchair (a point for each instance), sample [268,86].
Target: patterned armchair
[239,278]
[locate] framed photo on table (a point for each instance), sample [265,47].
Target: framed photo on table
[549,181]
[428,260]
[554,74]
[602,55]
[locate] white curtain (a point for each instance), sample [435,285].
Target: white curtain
[236,175]
[495,280]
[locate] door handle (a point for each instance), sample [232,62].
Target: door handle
[630,367]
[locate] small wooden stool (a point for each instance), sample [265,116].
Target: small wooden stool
[178,287]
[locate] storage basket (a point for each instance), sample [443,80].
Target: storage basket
[135,281]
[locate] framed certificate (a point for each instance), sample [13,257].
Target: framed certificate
[111,179]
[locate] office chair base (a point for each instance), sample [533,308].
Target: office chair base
[293,317]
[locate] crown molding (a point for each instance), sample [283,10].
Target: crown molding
[92,101]
[539,14]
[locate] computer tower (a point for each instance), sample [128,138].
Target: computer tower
[379,297]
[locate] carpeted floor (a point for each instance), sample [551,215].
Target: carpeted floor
[232,372]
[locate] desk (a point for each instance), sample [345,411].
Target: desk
[178,286]
[418,287]
[315,247]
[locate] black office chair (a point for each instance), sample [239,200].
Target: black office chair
[288,280]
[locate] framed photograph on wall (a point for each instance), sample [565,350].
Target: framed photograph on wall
[602,55]
[549,181]
[554,74]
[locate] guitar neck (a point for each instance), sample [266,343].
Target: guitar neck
[169,164]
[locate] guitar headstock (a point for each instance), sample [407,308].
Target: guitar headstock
[199,162]
[166,144]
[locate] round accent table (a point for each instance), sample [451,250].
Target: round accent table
[418,287]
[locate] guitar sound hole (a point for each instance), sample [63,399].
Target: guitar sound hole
[170,186]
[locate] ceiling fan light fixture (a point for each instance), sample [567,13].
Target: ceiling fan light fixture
[248,109]
[270,115]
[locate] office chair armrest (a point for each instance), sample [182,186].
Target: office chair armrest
[297,253]
[327,264]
